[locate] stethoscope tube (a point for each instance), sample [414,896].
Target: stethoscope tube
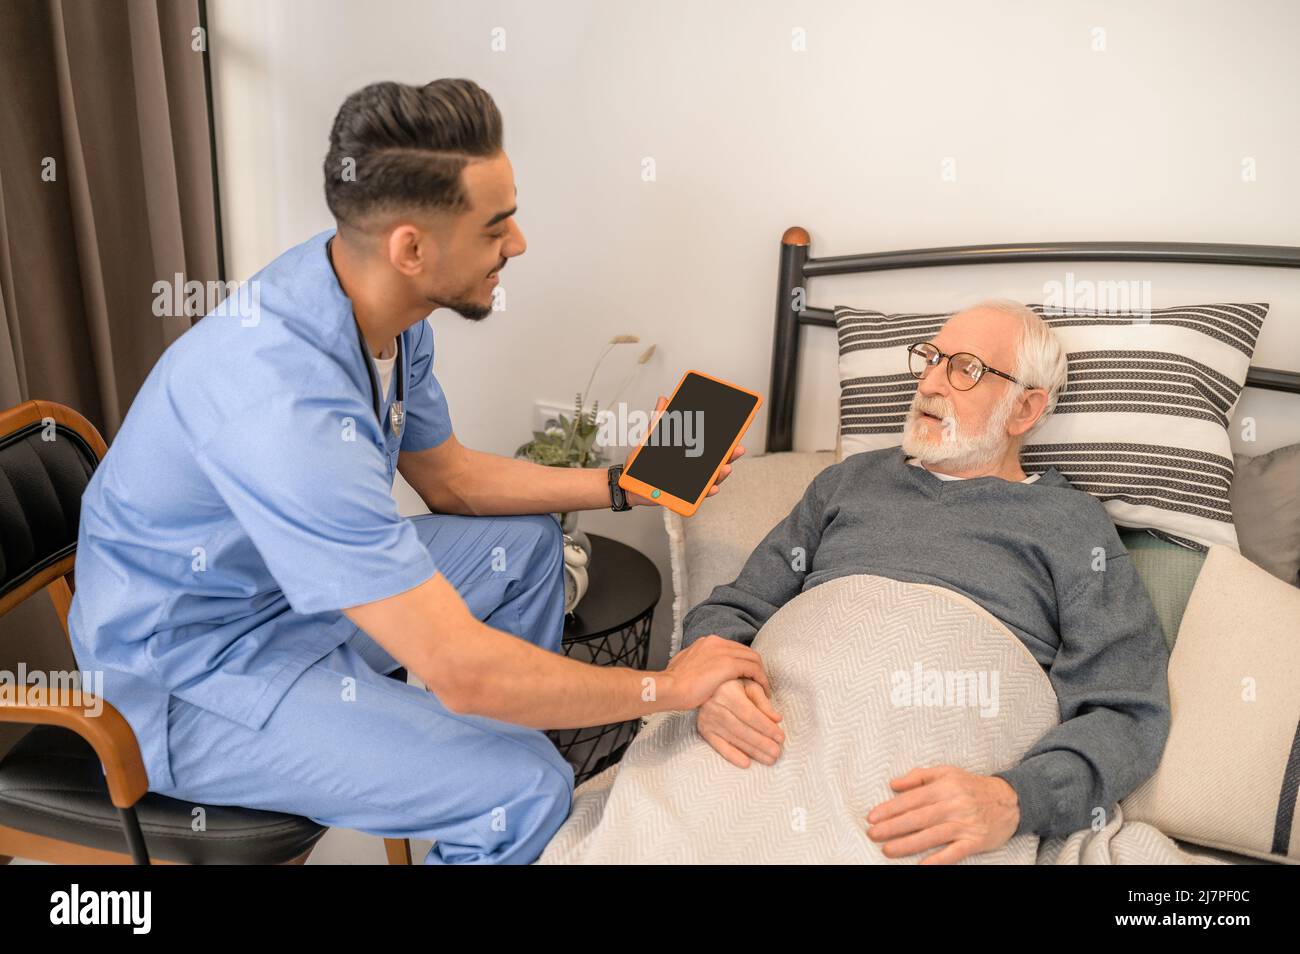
[398,415]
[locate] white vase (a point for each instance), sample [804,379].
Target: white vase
[577,560]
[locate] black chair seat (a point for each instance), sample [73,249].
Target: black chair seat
[51,784]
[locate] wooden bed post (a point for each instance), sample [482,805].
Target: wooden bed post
[785,339]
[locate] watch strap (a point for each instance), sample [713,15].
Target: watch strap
[618,501]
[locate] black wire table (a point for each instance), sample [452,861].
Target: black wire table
[609,627]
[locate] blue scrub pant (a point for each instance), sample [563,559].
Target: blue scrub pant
[351,748]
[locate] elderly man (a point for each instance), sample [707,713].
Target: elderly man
[953,508]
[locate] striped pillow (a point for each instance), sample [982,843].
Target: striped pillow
[1142,423]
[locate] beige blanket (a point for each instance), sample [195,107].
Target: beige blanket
[874,677]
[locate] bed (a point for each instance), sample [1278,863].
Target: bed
[1168,820]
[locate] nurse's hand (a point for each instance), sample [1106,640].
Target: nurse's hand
[639,501]
[695,673]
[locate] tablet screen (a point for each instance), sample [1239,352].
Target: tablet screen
[691,436]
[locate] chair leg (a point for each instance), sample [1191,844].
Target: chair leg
[398,850]
[134,836]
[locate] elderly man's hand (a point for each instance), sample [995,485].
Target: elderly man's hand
[945,805]
[639,501]
[740,723]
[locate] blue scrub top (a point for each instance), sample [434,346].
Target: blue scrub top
[245,501]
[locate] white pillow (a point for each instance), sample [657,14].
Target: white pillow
[1227,777]
[1142,423]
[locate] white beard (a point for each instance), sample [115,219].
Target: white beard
[956,449]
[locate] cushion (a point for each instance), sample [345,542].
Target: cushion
[1266,510]
[1142,423]
[1168,571]
[1234,691]
[711,547]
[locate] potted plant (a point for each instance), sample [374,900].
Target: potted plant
[572,442]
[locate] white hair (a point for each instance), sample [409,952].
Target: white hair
[1040,363]
[1040,359]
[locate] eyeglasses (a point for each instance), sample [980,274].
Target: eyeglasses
[964,369]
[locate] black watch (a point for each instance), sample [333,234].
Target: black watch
[617,496]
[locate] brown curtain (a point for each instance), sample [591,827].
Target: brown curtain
[105,189]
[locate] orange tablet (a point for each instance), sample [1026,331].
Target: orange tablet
[689,441]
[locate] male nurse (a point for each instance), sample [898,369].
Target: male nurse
[245,583]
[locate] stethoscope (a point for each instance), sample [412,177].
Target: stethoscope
[397,413]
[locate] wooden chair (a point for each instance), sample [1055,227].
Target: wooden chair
[73,790]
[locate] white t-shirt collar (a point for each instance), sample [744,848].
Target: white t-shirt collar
[916,463]
[385,366]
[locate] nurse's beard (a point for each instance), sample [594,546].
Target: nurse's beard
[463,307]
[468,309]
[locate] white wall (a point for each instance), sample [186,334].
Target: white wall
[1052,140]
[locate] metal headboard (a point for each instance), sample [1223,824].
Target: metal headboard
[797,267]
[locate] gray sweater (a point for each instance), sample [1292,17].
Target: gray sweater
[1026,552]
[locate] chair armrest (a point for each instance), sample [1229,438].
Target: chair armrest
[108,733]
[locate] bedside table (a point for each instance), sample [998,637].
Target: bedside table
[610,627]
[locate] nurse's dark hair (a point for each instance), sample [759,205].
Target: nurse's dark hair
[396,148]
